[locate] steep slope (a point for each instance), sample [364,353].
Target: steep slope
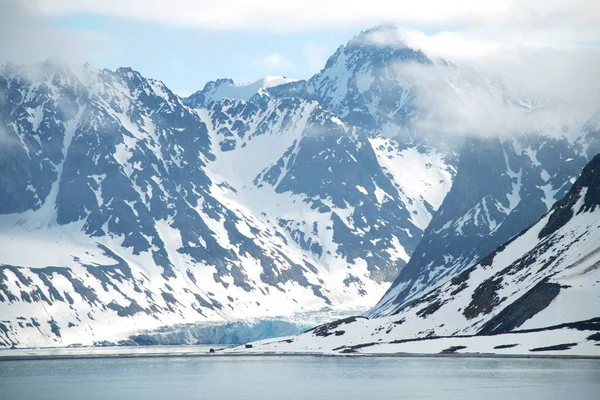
[410,104]
[539,292]
[338,194]
[109,222]
[501,188]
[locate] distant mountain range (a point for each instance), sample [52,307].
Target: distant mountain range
[124,207]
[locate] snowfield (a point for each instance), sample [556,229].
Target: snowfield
[561,342]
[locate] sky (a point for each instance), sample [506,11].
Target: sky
[186,43]
[186,58]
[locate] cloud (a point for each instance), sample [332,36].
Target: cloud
[273,61]
[571,74]
[460,100]
[449,44]
[8,139]
[573,17]
[26,36]
[275,15]
[459,29]
[536,84]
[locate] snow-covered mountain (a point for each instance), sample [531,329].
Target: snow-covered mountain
[501,188]
[386,88]
[505,180]
[365,84]
[146,212]
[539,292]
[254,201]
[327,185]
[111,223]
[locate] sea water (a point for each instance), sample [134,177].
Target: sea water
[300,377]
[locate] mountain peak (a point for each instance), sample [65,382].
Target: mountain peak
[380,36]
[227,88]
[377,46]
[128,73]
[382,28]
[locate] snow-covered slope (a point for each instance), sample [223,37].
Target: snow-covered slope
[109,222]
[539,292]
[327,185]
[501,188]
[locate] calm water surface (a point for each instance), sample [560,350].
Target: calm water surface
[313,378]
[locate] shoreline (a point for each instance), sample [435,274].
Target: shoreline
[221,354]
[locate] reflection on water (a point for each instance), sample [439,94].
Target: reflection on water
[300,378]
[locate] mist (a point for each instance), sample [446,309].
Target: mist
[502,91]
[28,36]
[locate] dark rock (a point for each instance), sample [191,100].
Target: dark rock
[453,349]
[563,209]
[329,328]
[564,346]
[505,346]
[594,336]
[484,298]
[527,306]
